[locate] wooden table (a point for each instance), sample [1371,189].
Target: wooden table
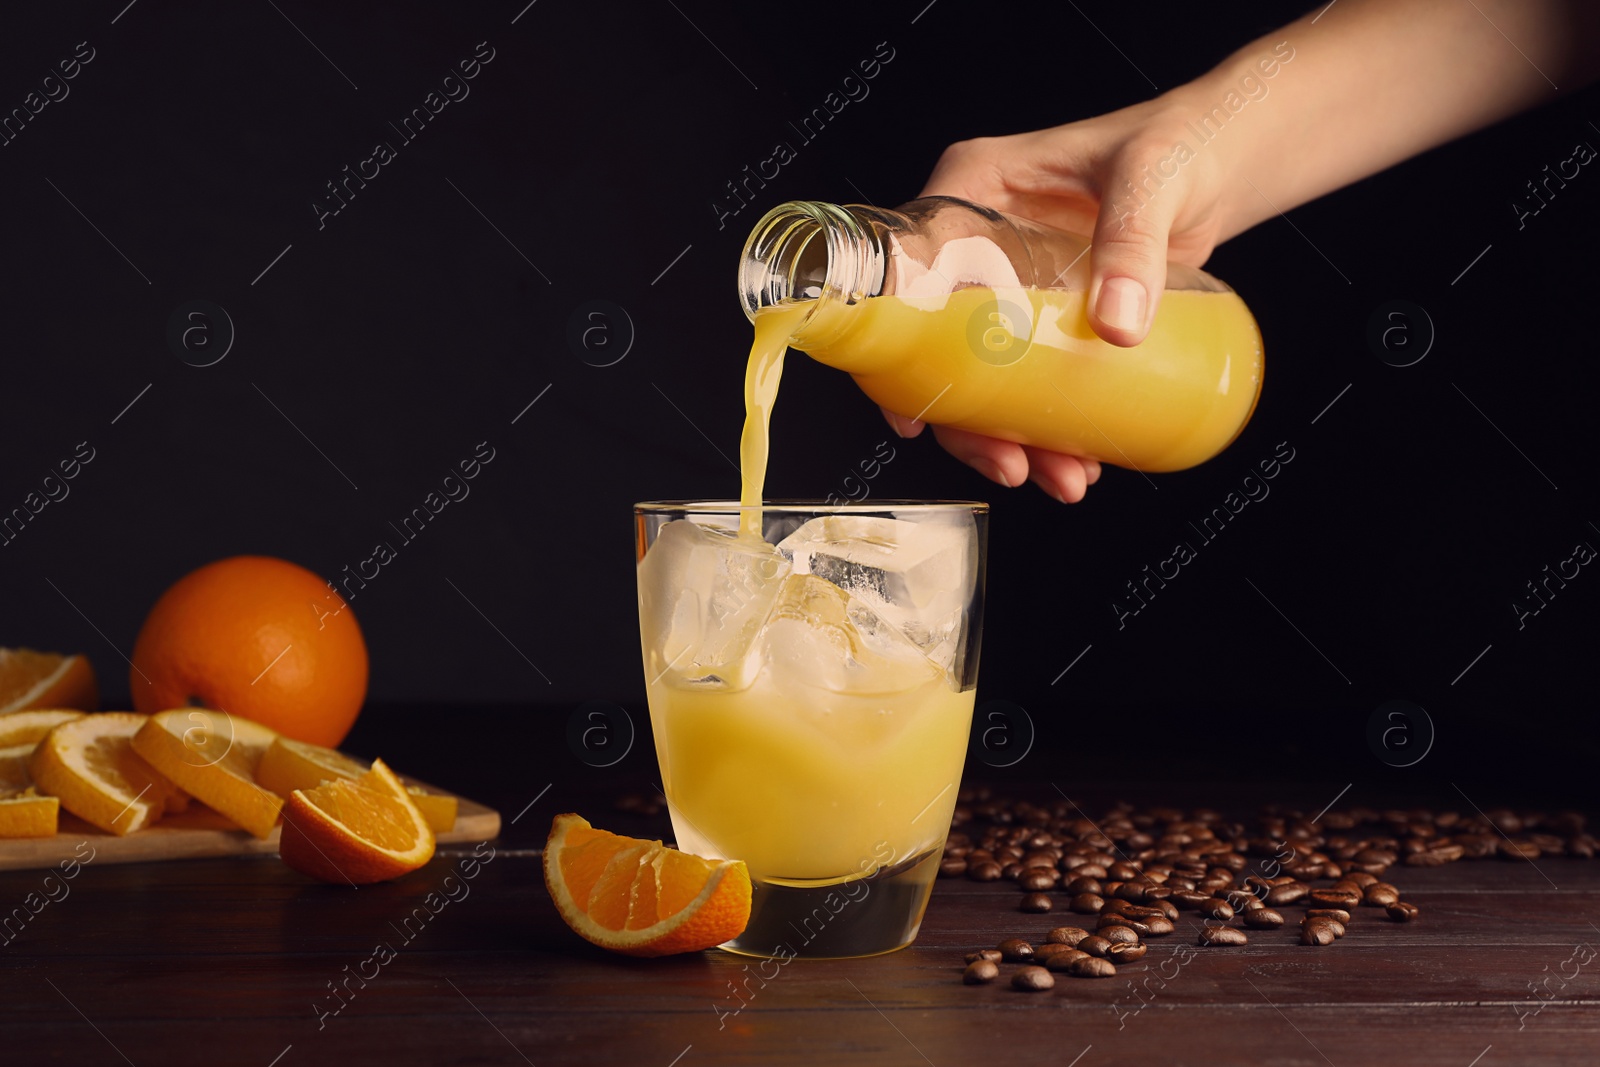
[233,961]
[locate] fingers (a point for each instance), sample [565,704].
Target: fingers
[999,461]
[1128,264]
[1066,478]
[901,425]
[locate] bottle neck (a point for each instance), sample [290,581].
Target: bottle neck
[806,250]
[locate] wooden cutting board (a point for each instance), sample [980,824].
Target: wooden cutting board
[195,834]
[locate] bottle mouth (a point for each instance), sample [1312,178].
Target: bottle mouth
[808,250]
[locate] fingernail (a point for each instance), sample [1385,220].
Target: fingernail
[990,470]
[1122,304]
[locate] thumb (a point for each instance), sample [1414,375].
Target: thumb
[1128,260]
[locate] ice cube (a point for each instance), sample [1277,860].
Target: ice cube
[820,636]
[703,594]
[918,575]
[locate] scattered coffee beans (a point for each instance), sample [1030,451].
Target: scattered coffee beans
[1135,869]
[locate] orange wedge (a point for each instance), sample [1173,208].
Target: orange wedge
[27,814]
[355,832]
[641,898]
[213,756]
[90,764]
[30,679]
[289,765]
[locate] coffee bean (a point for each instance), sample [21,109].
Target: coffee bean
[1402,912]
[1119,935]
[1083,884]
[1158,926]
[1035,903]
[1362,879]
[984,871]
[1087,903]
[1215,908]
[1010,871]
[1188,898]
[980,971]
[1094,945]
[952,867]
[1222,935]
[1337,914]
[990,954]
[1332,924]
[1439,855]
[1122,871]
[1032,980]
[1319,933]
[1168,910]
[1287,893]
[1090,967]
[1133,892]
[1127,952]
[1110,921]
[1063,961]
[1043,952]
[1016,950]
[1380,895]
[1519,849]
[1036,879]
[1262,918]
[1334,898]
[1477,846]
[1066,935]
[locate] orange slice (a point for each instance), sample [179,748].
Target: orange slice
[29,727]
[355,832]
[30,679]
[14,774]
[213,756]
[641,898]
[289,765]
[27,814]
[90,764]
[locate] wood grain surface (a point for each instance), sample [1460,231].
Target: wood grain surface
[235,961]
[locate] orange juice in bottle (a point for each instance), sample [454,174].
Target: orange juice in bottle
[963,316]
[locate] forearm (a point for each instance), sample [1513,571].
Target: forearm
[1368,83]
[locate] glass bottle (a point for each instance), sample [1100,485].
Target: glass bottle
[960,315]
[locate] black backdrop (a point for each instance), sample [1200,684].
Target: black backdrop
[374,348]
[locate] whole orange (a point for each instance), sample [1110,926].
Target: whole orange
[257,637]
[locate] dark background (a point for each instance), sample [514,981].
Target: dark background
[422,319]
